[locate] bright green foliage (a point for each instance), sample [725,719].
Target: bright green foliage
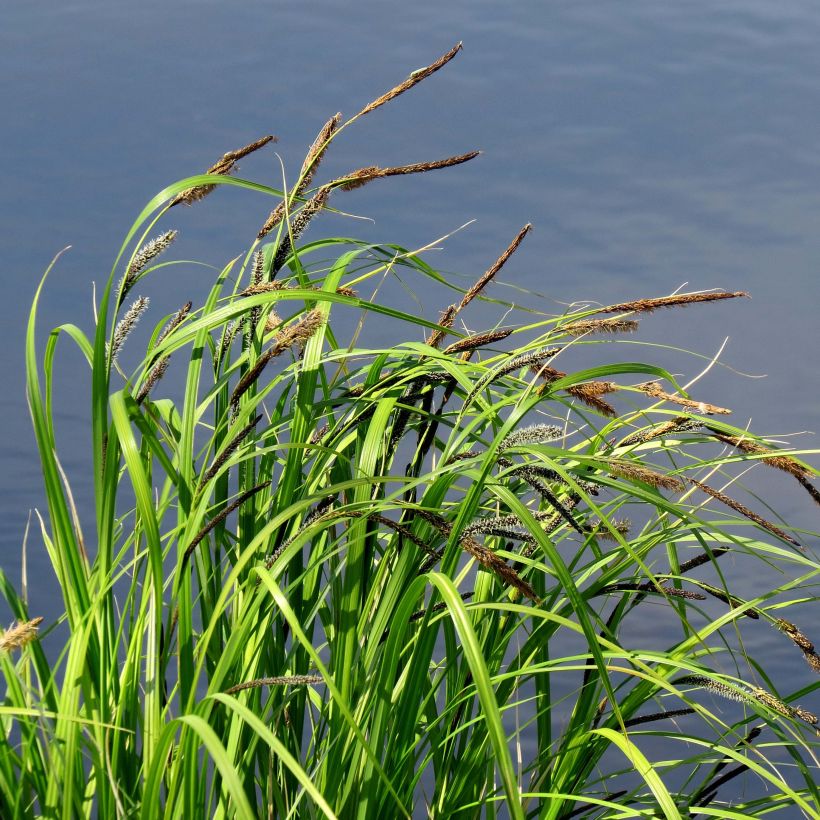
[415,559]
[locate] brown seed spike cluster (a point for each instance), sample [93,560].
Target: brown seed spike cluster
[654,389]
[414,79]
[745,511]
[316,151]
[801,642]
[589,393]
[637,472]
[298,333]
[679,424]
[648,305]
[222,167]
[158,370]
[784,463]
[297,227]
[355,179]
[478,340]
[598,326]
[275,217]
[494,268]
[19,635]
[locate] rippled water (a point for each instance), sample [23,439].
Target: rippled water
[652,144]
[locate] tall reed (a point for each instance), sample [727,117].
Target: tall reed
[360,581]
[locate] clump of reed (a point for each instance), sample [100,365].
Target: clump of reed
[335,578]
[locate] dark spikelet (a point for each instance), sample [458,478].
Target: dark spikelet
[589,393]
[218,519]
[495,267]
[703,558]
[801,642]
[150,250]
[648,305]
[488,523]
[680,424]
[540,486]
[253,374]
[745,511]
[672,592]
[257,279]
[637,472]
[404,532]
[298,333]
[19,635]
[488,559]
[654,389]
[151,380]
[810,488]
[355,179]
[671,713]
[126,325]
[780,462]
[174,323]
[316,152]
[297,227]
[283,680]
[230,448]
[414,79]
[158,370]
[534,357]
[223,166]
[319,433]
[478,340]
[445,322]
[750,612]
[274,218]
[227,338]
[583,328]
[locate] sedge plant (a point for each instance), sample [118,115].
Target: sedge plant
[329,579]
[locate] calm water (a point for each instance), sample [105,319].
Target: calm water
[651,143]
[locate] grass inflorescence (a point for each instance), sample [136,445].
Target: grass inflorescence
[333,579]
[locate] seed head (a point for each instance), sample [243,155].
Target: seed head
[19,634]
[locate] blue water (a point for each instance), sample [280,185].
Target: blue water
[650,143]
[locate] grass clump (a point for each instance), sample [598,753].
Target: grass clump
[333,580]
